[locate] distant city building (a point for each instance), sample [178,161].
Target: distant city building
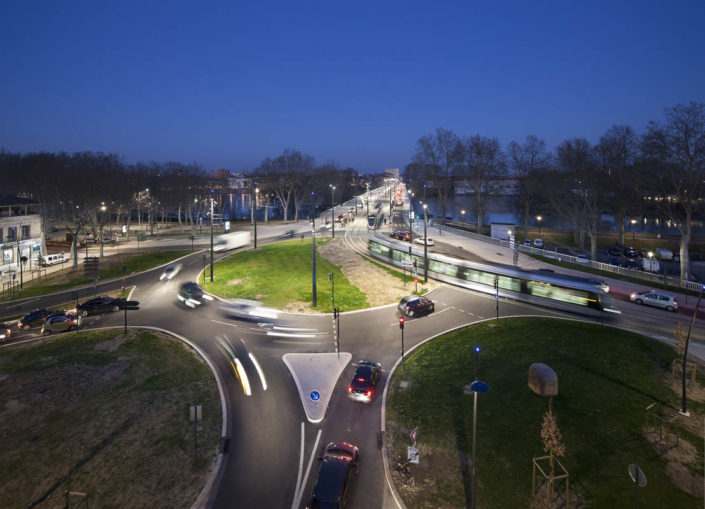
[20,232]
[391,173]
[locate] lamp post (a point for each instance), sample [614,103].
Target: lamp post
[211,235]
[368,198]
[462,215]
[332,209]
[254,214]
[102,220]
[685,352]
[476,387]
[425,245]
[632,222]
[313,244]
[538,220]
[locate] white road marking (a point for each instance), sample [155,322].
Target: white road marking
[289,335]
[301,467]
[297,502]
[259,371]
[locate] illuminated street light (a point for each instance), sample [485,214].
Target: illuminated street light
[632,222]
[538,219]
[425,245]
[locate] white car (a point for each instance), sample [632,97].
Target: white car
[421,240]
[170,271]
[538,243]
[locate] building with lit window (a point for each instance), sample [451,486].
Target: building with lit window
[20,232]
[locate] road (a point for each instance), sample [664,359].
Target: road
[270,454]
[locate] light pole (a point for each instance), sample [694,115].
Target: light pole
[368,198]
[211,235]
[462,215]
[332,208]
[102,220]
[476,387]
[685,351]
[425,245]
[254,214]
[632,222]
[313,244]
[538,220]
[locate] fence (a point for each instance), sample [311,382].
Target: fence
[606,267]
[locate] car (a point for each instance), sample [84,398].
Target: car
[631,252]
[415,305]
[526,242]
[655,298]
[600,283]
[98,306]
[287,234]
[614,251]
[62,323]
[615,260]
[33,318]
[243,309]
[170,271]
[631,264]
[339,464]
[192,295]
[107,240]
[402,235]
[5,332]
[538,243]
[582,258]
[423,240]
[364,382]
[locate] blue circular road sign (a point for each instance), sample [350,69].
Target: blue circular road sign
[315,396]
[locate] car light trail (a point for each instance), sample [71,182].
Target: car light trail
[243,378]
[289,335]
[235,363]
[259,371]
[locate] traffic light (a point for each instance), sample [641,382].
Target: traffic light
[494,283]
[401,322]
[414,264]
[416,280]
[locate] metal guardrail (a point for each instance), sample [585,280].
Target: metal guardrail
[606,267]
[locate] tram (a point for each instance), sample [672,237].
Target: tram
[548,290]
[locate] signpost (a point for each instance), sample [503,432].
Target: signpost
[131,305]
[315,396]
[639,479]
[195,416]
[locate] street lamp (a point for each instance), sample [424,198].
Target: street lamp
[332,208]
[314,302]
[254,214]
[632,222]
[538,219]
[476,387]
[425,245]
[368,198]
[102,220]
[462,215]
[211,235]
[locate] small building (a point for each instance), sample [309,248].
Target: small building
[20,232]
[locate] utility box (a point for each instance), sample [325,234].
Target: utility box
[543,380]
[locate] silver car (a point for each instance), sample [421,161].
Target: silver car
[655,298]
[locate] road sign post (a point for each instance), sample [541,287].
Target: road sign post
[639,479]
[401,326]
[195,415]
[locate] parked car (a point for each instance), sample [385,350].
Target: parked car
[107,240]
[423,240]
[98,306]
[650,264]
[655,298]
[416,305]
[582,258]
[631,264]
[5,332]
[631,252]
[526,242]
[34,318]
[192,295]
[538,243]
[364,382]
[615,260]
[614,251]
[664,254]
[63,323]
[339,463]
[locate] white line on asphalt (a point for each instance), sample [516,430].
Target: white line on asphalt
[308,469]
[259,371]
[287,335]
[301,468]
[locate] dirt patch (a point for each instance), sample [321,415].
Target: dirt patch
[681,459]
[378,285]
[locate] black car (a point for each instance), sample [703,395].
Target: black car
[99,305]
[416,305]
[632,264]
[631,252]
[339,462]
[614,251]
[34,318]
[192,295]
[364,382]
[402,235]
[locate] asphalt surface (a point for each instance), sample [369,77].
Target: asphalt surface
[266,462]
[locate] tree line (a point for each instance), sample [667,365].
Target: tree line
[624,174]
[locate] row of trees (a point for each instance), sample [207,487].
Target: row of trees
[624,174]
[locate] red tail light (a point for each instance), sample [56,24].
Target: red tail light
[20,325]
[349,388]
[369,393]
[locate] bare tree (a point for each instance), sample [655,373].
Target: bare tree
[439,155]
[525,160]
[674,156]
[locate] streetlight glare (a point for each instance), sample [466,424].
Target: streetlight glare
[477,348]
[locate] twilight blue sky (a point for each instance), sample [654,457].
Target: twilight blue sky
[229,83]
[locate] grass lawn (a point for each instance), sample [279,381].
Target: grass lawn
[606,378]
[278,274]
[111,269]
[113,411]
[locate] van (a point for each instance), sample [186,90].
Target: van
[650,265]
[51,259]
